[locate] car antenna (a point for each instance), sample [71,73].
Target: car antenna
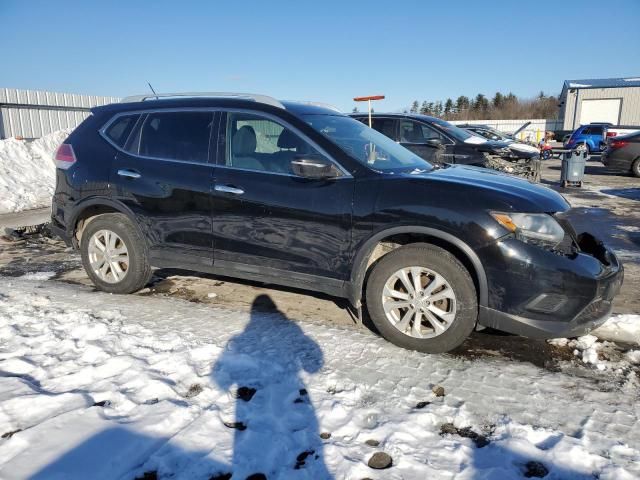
[154,92]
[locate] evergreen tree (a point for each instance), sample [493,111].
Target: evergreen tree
[448,107]
[424,110]
[462,104]
[437,109]
[355,110]
[430,108]
[414,107]
[480,104]
[498,101]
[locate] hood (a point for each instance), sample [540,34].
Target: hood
[475,140]
[523,147]
[493,190]
[492,146]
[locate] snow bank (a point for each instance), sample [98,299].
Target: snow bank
[27,172]
[621,328]
[98,388]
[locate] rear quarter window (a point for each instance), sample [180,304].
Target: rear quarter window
[118,131]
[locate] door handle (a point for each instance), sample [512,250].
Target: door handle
[129,173]
[228,189]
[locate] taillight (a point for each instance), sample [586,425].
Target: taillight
[65,156]
[611,134]
[618,144]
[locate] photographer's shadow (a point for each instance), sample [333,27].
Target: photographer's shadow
[276,428]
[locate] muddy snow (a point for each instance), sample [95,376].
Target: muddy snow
[93,388]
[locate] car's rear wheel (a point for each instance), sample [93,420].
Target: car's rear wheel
[114,254]
[422,298]
[635,168]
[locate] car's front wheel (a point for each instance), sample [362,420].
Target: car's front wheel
[635,168]
[422,298]
[114,254]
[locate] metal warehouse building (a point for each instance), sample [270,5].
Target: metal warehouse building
[613,100]
[32,114]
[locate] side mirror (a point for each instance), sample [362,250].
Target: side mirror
[434,142]
[314,167]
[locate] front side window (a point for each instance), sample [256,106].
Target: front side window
[120,128]
[180,136]
[258,143]
[366,145]
[414,132]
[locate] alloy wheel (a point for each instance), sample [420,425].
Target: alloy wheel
[419,302]
[108,256]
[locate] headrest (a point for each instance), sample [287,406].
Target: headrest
[244,141]
[288,139]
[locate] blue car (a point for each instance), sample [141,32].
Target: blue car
[592,136]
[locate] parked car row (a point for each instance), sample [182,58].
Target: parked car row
[439,142]
[300,195]
[622,154]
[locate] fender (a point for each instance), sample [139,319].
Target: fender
[360,262]
[83,204]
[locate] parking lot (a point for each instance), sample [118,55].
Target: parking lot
[607,204]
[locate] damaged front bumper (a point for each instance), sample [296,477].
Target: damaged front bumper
[543,294]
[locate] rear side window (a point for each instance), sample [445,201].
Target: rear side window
[176,136]
[592,131]
[386,126]
[120,128]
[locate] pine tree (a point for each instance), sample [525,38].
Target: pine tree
[448,107]
[424,108]
[462,104]
[498,101]
[414,107]
[437,109]
[480,103]
[355,110]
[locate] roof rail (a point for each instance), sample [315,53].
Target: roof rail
[249,96]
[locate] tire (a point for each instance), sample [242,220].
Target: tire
[462,307]
[635,168]
[130,274]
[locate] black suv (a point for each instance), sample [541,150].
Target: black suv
[298,194]
[434,139]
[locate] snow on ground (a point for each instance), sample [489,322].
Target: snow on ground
[103,387]
[620,328]
[27,172]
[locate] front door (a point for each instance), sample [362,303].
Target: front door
[163,174]
[419,137]
[266,220]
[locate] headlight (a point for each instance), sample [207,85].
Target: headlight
[538,228]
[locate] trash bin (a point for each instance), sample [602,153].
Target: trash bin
[572,172]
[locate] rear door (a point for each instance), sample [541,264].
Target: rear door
[268,222]
[163,174]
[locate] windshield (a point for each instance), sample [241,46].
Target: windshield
[458,133]
[366,145]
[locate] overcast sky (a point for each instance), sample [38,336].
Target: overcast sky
[327,51]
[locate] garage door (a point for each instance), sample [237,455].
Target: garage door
[600,111]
